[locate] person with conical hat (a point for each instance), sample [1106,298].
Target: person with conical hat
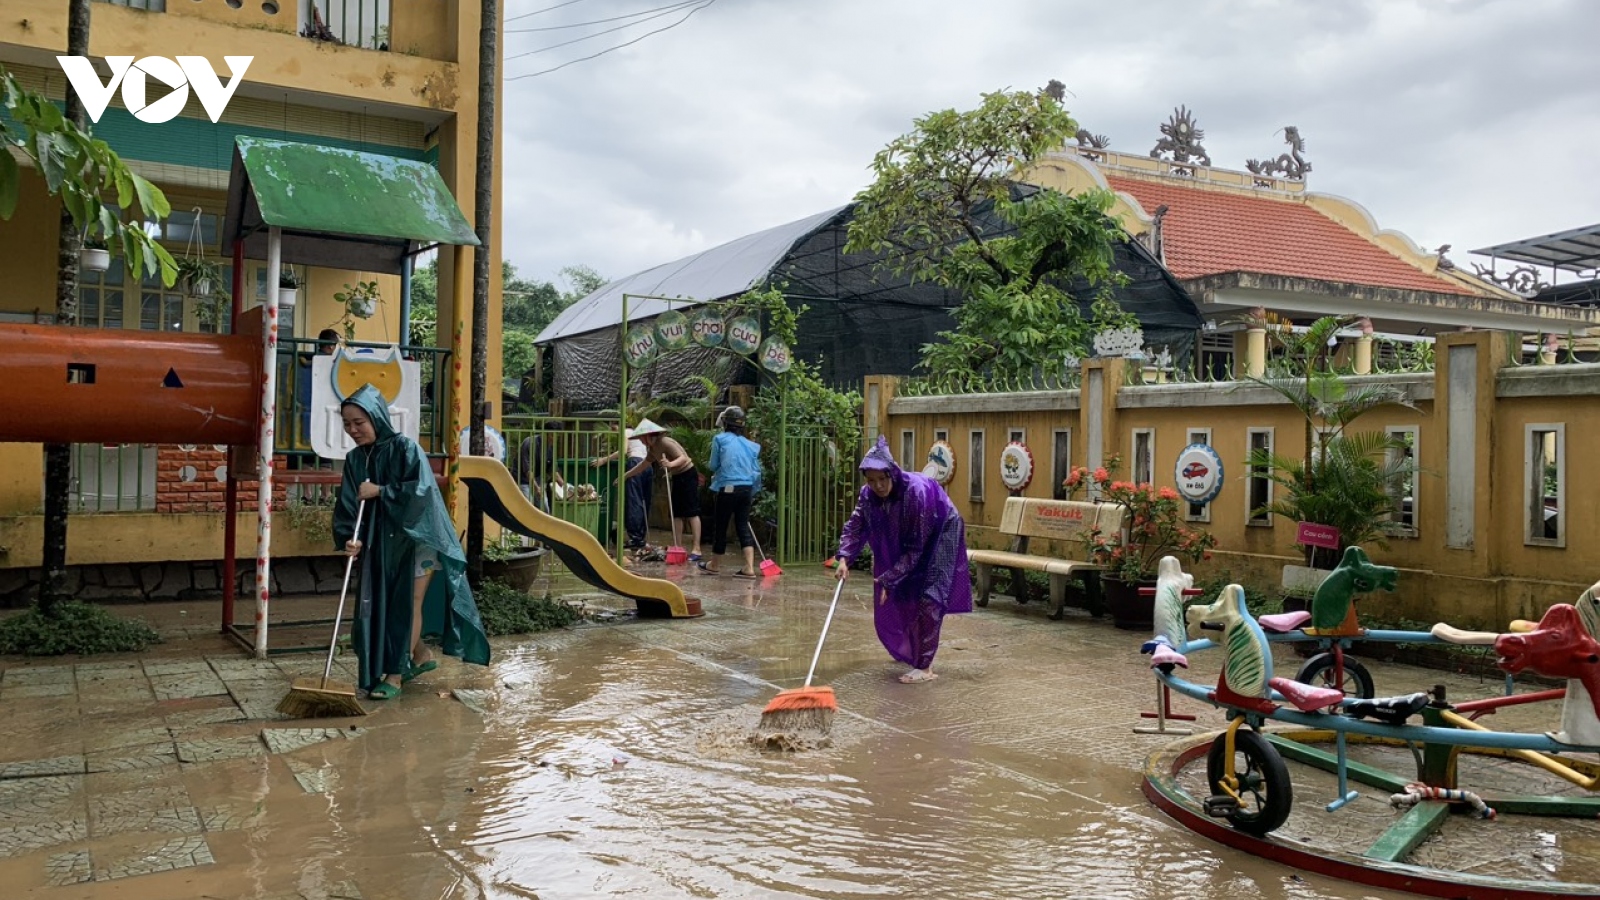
[919,558]
[683,479]
[413,573]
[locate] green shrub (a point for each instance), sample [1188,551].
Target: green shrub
[74,627]
[506,610]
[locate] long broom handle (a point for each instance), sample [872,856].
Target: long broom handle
[825,623]
[671,513]
[349,565]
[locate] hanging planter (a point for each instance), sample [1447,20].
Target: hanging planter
[288,288]
[94,256]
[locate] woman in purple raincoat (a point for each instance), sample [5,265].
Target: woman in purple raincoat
[919,558]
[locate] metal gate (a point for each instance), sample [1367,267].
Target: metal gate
[816,492]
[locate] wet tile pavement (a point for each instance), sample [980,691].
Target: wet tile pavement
[125,767]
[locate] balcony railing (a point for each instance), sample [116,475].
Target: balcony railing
[293,426]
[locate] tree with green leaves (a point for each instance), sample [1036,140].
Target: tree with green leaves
[528,306]
[86,174]
[928,210]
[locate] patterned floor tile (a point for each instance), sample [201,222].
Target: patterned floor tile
[222,748]
[233,817]
[313,778]
[284,740]
[16,840]
[178,820]
[133,803]
[179,853]
[127,759]
[33,768]
[69,868]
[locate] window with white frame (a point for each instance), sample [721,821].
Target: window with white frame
[1545,485]
[1060,461]
[941,434]
[1017,435]
[975,466]
[1198,512]
[1401,467]
[908,449]
[1259,486]
[1144,456]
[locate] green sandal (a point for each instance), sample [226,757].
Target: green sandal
[423,669]
[384,691]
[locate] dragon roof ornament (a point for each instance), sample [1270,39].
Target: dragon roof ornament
[1290,165]
[1181,137]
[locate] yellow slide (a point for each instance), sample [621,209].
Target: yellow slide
[495,492]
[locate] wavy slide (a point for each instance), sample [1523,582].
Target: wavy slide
[498,495]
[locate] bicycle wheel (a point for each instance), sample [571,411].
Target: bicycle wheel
[1318,671]
[1265,794]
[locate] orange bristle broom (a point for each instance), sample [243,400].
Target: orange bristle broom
[805,708]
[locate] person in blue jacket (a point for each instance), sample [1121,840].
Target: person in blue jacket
[735,480]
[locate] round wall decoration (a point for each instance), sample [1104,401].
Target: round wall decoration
[494,444]
[672,329]
[941,466]
[1016,466]
[1198,473]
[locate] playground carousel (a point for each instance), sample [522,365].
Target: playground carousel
[1409,791]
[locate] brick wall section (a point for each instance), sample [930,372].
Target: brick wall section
[205,493]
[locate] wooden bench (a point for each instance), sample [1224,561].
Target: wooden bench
[1060,520]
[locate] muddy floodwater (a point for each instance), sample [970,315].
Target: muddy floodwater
[614,760]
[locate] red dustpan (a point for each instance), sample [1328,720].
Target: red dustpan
[768,567]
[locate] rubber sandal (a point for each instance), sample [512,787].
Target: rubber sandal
[384,691]
[423,669]
[917,676]
[743,574]
[694,557]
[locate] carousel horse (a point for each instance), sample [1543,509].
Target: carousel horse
[1333,608]
[1166,648]
[1563,645]
[1246,681]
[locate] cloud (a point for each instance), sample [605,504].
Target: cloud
[1469,122]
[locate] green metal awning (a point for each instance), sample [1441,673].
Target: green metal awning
[338,209]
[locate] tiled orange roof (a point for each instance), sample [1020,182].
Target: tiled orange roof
[1209,232]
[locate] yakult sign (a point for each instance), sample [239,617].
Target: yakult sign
[180,76]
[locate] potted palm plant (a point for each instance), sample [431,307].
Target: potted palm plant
[1345,477]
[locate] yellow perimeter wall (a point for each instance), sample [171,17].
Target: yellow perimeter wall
[1500,577]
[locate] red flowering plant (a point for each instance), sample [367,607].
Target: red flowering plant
[1155,525]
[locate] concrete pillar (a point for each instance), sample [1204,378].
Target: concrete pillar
[1255,354]
[1464,402]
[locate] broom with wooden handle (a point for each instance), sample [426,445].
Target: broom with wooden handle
[806,708]
[313,698]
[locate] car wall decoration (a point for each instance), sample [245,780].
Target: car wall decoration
[1198,473]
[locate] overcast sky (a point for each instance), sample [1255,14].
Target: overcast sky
[1468,122]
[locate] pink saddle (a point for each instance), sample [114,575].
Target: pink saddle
[1164,655]
[1306,697]
[1283,623]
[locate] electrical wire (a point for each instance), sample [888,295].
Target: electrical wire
[670,11]
[600,21]
[617,47]
[545,10]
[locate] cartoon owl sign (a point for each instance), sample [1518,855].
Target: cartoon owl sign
[333,378]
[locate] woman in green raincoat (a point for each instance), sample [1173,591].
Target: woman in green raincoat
[413,575]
